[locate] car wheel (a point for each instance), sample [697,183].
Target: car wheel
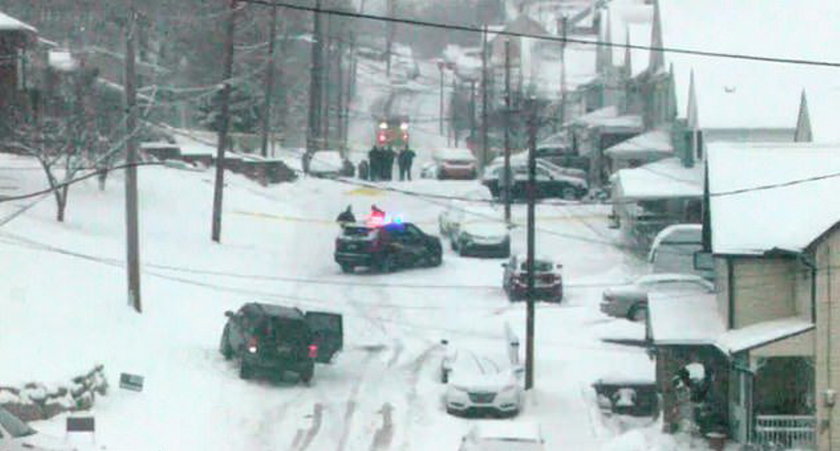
[346,268]
[388,264]
[227,352]
[306,376]
[569,193]
[435,259]
[637,313]
[245,371]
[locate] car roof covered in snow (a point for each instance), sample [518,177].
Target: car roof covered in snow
[510,430]
[273,310]
[453,153]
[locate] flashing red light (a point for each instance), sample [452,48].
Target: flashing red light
[381,137]
[313,351]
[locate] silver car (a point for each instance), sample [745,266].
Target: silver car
[630,300]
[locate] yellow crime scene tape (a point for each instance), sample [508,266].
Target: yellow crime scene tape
[286,218]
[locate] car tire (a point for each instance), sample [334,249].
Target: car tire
[227,351]
[569,193]
[306,376]
[436,259]
[346,268]
[637,313]
[245,371]
[387,264]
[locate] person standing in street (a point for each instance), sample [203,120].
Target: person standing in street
[374,166]
[388,163]
[405,159]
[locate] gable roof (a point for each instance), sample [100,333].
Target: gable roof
[9,23]
[649,143]
[789,215]
[737,93]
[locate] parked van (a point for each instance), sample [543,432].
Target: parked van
[673,250]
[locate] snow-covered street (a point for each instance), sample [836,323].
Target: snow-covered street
[65,286]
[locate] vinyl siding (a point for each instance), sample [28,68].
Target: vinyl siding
[764,290]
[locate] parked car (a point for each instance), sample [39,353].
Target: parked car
[521,158]
[483,238]
[16,435]
[454,163]
[280,339]
[548,282]
[551,183]
[479,385]
[503,436]
[673,249]
[386,247]
[330,164]
[630,300]
[450,219]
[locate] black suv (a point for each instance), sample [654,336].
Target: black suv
[277,338]
[386,247]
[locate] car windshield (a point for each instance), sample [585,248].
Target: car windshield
[13,425]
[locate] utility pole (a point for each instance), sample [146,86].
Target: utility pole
[484,79]
[227,74]
[313,134]
[131,219]
[473,124]
[391,26]
[339,121]
[441,65]
[531,191]
[452,126]
[328,61]
[351,88]
[563,73]
[269,82]
[506,185]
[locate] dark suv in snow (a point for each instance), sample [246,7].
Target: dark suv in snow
[386,247]
[277,338]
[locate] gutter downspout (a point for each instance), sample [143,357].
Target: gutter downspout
[809,261]
[730,280]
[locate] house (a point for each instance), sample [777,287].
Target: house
[17,42]
[765,337]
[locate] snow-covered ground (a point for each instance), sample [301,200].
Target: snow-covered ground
[64,308]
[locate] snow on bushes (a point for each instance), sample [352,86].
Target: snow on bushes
[36,401]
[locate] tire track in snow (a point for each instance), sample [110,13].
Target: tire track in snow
[352,402]
[412,397]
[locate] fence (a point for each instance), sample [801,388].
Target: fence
[786,431]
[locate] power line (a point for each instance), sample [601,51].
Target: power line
[456,27]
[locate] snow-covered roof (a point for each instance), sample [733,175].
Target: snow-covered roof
[690,319]
[790,216]
[666,178]
[518,430]
[744,94]
[755,335]
[677,234]
[652,142]
[194,145]
[9,23]
[61,60]
[609,117]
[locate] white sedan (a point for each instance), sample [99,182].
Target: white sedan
[630,300]
[478,385]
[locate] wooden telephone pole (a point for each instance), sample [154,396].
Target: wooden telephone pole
[131,215]
[269,82]
[507,175]
[531,190]
[227,74]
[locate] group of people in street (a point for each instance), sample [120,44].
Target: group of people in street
[347,217]
[381,163]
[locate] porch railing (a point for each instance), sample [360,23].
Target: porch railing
[785,431]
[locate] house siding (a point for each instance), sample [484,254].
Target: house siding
[827,255]
[796,346]
[764,290]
